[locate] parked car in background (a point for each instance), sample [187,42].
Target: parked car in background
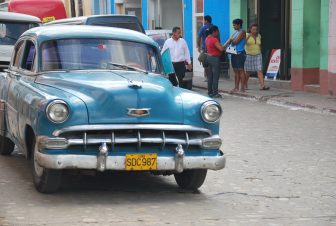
[45,10]
[12,25]
[91,97]
[120,21]
[4,6]
[160,36]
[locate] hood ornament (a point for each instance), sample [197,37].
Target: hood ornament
[135,84]
[138,112]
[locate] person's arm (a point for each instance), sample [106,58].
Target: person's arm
[219,46]
[228,42]
[240,36]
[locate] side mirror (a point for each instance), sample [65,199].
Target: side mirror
[167,63]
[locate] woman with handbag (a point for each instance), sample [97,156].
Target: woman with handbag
[253,61]
[237,43]
[214,52]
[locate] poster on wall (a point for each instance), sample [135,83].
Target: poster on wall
[274,64]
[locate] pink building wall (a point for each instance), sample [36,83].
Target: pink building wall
[332,48]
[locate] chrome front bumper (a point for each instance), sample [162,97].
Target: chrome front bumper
[176,163]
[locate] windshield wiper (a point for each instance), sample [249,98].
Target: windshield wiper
[124,66]
[7,36]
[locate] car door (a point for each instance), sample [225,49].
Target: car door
[25,96]
[13,90]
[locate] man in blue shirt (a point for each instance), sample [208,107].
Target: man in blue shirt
[203,33]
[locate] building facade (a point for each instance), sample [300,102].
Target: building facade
[304,30]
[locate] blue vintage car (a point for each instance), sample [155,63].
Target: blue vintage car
[98,98]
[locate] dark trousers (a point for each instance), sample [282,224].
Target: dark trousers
[213,76]
[180,70]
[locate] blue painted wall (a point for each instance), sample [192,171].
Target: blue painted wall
[187,24]
[144,12]
[112,5]
[219,10]
[95,7]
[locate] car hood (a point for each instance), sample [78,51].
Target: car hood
[6,52]
[109,96]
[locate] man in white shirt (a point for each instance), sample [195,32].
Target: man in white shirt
[179,53]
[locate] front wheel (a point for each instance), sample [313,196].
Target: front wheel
[191,179]
[6,146]
[45,180]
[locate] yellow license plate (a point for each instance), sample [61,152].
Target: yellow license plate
[141,162]
[48,19]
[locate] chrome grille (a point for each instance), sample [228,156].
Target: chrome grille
[137,135]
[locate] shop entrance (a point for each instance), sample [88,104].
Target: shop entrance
[273,17]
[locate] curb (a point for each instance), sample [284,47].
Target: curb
[281,103]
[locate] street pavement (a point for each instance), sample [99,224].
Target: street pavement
[280,171]
[279,94]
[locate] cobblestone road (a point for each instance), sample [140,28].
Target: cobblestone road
[281,170]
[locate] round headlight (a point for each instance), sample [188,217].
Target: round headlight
[57,111]
[211,111]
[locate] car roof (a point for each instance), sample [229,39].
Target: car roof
[19,17]
[46,33]
[82,18]
[96,20]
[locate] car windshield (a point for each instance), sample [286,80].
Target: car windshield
[10,32]
[86,54]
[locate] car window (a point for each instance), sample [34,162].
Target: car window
[84,54]
[12,31]
[29,56]
[18,54]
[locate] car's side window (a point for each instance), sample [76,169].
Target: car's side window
[29,56]
[18,54]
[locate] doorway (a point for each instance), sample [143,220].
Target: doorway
[274,19]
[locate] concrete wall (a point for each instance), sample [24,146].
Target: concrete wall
[220,16]
[172,14]
[306,32]
[238,9]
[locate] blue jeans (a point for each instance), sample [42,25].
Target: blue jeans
[213,75]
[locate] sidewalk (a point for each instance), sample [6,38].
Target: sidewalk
[276,96]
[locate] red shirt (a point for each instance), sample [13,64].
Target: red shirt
[210,45]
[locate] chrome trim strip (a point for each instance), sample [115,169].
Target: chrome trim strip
[118,162]
[165,127]
[134,112]
[139,140]
[85,140]
[187,141]
[112,141]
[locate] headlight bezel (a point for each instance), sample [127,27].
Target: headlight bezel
[51,104]
[205,106]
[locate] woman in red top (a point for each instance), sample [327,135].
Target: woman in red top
[214,51]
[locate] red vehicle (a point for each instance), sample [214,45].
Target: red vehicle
[46,10]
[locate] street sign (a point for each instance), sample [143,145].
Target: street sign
[274,64]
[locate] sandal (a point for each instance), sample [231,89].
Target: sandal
[234,90]
[265,88]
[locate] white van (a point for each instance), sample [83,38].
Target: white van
[12,25]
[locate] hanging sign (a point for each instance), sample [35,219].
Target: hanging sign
[274,64]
